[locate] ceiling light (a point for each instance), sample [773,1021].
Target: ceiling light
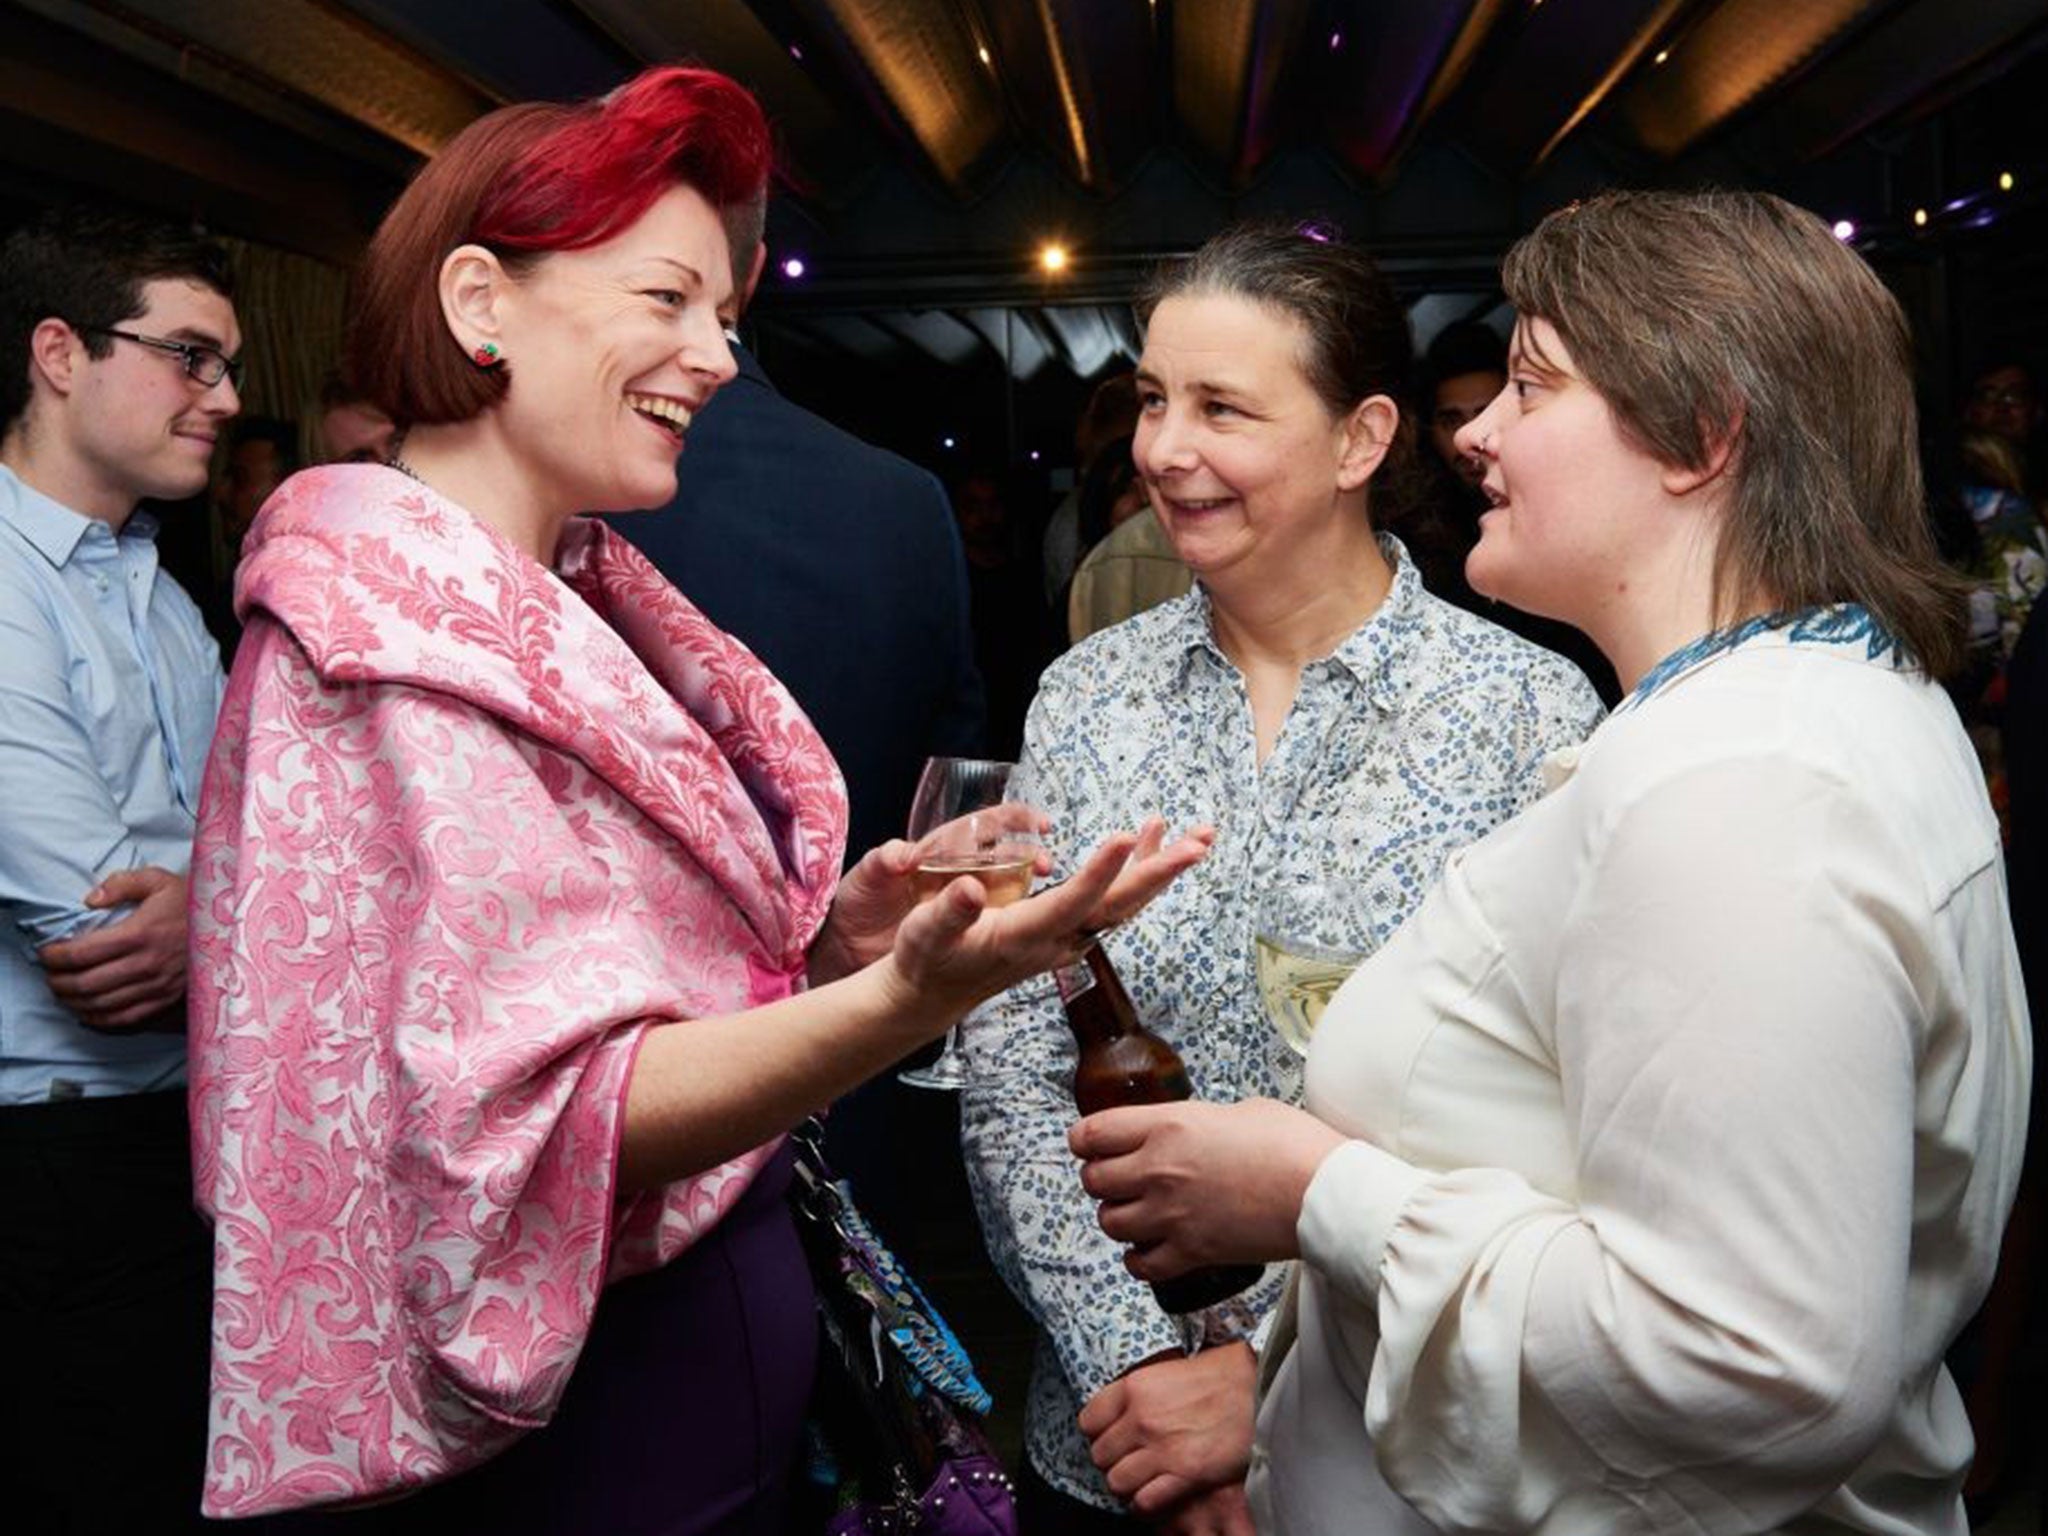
[1663,54]
[793,267]
[1052,258]
[1844,230]
[984,55]
[1919,218]
[2005,181]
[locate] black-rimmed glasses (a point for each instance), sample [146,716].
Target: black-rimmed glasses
[203,365]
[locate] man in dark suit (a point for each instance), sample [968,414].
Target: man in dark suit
[839,565]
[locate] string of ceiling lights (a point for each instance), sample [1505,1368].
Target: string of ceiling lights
[1973,210]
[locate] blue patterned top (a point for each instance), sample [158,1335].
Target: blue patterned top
[1424,729]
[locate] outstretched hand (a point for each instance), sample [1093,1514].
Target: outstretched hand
[1191,1184]
[955,950]
[880,891]
[127,974]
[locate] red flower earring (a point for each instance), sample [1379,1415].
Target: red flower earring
[487,355]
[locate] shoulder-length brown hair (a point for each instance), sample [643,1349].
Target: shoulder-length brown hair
[1734,318]
[524,181]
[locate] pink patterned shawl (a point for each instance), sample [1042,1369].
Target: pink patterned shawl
[467,828]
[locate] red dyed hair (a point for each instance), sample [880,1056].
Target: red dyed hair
[524,181]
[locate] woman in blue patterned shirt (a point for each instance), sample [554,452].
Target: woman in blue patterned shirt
[1331,718]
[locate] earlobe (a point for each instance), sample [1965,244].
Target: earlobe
[473,289]
[1368,433]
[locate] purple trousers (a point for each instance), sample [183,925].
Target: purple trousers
[683,1416]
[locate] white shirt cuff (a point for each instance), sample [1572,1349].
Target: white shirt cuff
[1351,1206]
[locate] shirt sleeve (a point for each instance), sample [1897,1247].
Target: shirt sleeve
[1710,1327]
[1039,1223]
[76,836]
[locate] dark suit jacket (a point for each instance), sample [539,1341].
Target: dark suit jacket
[838,564]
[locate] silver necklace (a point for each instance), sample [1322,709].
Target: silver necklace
[392,460]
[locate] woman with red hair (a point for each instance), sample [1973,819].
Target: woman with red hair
[518,933]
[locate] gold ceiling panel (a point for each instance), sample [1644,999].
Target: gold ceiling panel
[1731,58]
[1077,77]
[1640,46]
[1065,72]
[1229,61]
[1458,60]
[922,55]
[327,55]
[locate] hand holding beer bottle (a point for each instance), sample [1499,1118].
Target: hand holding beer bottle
[1120,1062]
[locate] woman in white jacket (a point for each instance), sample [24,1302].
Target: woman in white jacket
[1649,1170]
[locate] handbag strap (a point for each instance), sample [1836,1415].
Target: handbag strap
[904,1313]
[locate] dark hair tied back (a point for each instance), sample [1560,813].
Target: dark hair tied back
[1356,341]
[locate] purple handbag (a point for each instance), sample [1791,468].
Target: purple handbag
[896,1443]
[970,1497]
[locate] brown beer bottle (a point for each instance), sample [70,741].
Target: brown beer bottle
[1120,1061]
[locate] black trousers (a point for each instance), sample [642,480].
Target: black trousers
[105,1291]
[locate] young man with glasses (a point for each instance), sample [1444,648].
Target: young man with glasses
[116,378]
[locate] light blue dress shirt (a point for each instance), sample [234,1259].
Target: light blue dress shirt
[109,686]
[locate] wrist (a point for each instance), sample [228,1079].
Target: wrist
[1161,1358]
[828,959]
[908,1010]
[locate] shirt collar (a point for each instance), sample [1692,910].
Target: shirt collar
[51,527]
[1378,654]
[1848,625]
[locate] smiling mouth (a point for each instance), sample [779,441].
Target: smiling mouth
[1495,497]
[1197,504]
[670,415]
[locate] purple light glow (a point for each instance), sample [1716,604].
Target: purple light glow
[1336,41]
[1844,230]
[793,267]
[796,53]
[1315,229]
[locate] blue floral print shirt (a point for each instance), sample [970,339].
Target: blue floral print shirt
[1423,730]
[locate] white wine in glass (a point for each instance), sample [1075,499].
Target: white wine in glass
[963,826]
[1004,873]
[1296,986]
[1302,953]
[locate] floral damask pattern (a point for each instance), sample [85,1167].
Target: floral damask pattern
[469,826]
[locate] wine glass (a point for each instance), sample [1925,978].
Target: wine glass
[963,826]
[1306,942]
